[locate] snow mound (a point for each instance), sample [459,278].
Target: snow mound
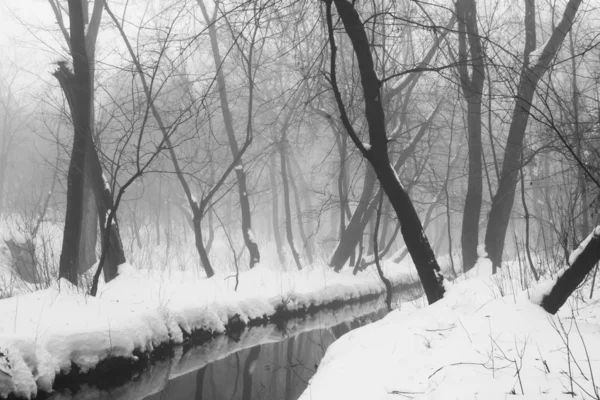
[474,343]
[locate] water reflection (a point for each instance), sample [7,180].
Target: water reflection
[273,371]
[265,362]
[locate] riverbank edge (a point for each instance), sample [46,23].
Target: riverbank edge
[115,371]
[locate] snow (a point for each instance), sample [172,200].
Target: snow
[45,332]
[251,236]
[534,56]
[474,343]
[367,146]
[546,285]
[106,184]
[582,245]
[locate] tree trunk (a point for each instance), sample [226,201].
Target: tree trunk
[286,200]
[89,225]
[305,242]
[585,226]
[200,244]
[573,276]
[80,110]
[377,154]
[92,169]
[472,87]
[275,209]
[354,231]
[503,200]
[228,122]
[366,207]
[341,141]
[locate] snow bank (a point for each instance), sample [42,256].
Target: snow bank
[46,333]
[474,343]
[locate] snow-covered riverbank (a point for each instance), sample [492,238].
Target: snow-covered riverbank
[484,339]
[51,332]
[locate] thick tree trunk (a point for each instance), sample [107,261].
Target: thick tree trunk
[102,201]
[472,87]
[89,226]
[503,200]
[80,109]
[377,153]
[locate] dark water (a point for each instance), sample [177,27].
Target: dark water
[265,362]
[274,371]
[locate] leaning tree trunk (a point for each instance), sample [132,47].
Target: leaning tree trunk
[472,87]
[365,209]
[582,261]
[377,154]
[504,198]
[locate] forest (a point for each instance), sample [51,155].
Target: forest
[186,185]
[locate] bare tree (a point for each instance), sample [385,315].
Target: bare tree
[249,239]
[472,88]
[532,70]
[376,152]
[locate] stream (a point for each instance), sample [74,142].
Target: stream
[265,362]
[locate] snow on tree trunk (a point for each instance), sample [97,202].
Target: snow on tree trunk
[553,294]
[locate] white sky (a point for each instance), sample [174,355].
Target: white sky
[28,46]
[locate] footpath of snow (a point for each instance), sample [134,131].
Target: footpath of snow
[474,343]
[44,333]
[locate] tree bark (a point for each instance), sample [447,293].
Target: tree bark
[286,199]
[366,207]
[275,208]
[354,231]
[92,169]
[503,200]
[377,154]
[305,242]
[82,97]
[472,87]
[585,225]
[573,276]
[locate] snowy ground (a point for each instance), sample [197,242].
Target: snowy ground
[485,340]
[43,333]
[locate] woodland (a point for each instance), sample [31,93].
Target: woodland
[217,136]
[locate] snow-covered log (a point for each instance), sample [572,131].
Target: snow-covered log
[581,262]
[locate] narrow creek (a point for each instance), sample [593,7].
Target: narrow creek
[261,363]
